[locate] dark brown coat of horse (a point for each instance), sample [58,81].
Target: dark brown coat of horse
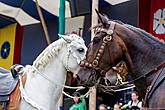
[143,53]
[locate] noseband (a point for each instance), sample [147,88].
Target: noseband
[95,63]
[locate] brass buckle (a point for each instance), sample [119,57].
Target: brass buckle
[95,63]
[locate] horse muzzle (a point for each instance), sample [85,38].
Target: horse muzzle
[87,77]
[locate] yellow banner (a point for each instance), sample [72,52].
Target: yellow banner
[7,43]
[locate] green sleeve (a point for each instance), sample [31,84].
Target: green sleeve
[73,107]
[83,103]
[81,106]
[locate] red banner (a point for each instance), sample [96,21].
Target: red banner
[152,17]
[157,18]
[18,44]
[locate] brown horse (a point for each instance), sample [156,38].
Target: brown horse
[143,53]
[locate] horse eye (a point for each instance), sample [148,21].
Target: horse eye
[96,40]
[80,50]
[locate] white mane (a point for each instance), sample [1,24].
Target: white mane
[48,54]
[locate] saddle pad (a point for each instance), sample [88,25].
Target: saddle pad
[7,82]
[15,96]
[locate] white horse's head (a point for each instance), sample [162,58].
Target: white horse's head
[74,53]
[69,50]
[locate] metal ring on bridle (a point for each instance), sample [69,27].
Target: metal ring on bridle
[109,32]
[95,63]
[108,38]
[105,40]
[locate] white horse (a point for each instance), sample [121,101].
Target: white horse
[47,75]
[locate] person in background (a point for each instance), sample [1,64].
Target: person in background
[79,103]
[116,106]
[102,107]
[133,104]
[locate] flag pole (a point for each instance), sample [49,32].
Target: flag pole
[62,17]
[43,23]
[61,31]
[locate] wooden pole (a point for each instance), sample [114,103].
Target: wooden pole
[138,6]
[94,15]
[92,96]
[43,23]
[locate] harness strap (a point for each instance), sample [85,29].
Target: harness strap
[149,88]
[111,56]
[112,25]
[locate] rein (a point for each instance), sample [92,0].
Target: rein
[108,89]
[145,75]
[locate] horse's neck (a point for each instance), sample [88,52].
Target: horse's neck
[46,91]
[146,54]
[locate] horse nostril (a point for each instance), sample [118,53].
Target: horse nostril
[93,72]
[77,77]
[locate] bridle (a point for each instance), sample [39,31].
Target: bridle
[108,38]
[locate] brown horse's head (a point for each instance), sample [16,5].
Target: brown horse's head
[105,51]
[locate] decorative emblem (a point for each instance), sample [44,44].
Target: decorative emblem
[159,21]
[5,50]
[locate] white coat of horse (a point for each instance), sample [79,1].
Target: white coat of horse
[47,75]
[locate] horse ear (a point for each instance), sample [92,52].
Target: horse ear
[99,16]
[65,37]
[60,35]
[102,18]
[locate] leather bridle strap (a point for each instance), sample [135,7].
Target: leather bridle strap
[112,25]
[95,63]
[151,86]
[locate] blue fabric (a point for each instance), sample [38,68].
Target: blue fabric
[7,82]
[61,108]
[29,7]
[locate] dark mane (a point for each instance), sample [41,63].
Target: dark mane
[118,21]
[100,24]
[144,33]
[151,49]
